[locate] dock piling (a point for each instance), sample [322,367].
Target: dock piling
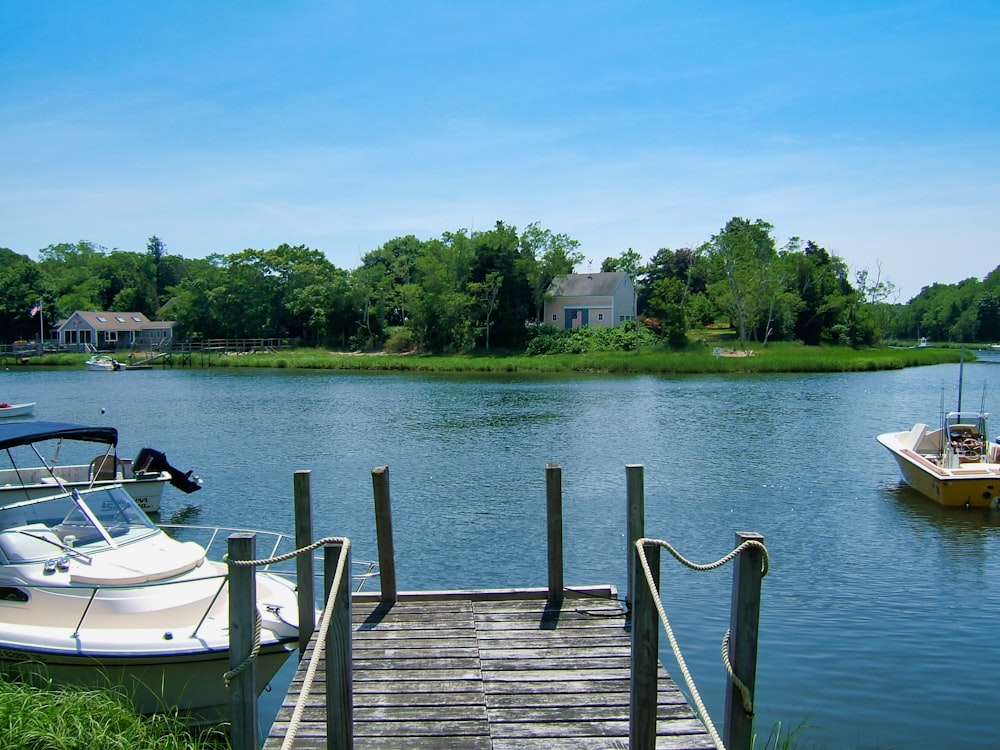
[636,523]
[242,624]
[744,620]
[383,533]
[303,563]
[339,676]
[553,507]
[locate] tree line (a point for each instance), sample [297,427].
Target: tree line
[467,291]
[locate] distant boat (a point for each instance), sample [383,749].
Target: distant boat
[954,465]
[104,364]
[25,442]
[16,410]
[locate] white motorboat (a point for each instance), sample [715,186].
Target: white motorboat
[103,363]
[30,475]
[93,593]
[16,410]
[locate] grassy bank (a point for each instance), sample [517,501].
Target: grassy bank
[76,719]
[774,358]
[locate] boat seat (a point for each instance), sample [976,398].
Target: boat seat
[18,547]
[913,438]
[103,467]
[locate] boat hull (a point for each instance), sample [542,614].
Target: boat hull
[190,685]
[17,410]
[971,485]
[146,491]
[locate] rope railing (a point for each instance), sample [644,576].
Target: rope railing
[262,562]
[640,546]
[320,647]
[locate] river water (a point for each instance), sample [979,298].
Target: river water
[879,606]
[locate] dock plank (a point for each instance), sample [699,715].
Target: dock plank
[491,674]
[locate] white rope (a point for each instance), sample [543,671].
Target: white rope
[688,680]
[228,676]
[317,655]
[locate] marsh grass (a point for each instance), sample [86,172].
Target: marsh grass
[780,357]
[775,358]
[33,718]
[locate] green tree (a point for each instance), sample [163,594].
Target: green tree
[545,255]
[21,287]
[743,255]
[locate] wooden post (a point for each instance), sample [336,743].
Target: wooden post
[339,687]
[553,507]
[383,533]
[645,653]
[636,524]
[744,620]
[304,563]
[242,625]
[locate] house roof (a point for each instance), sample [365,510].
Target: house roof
[587,284]
[118,321]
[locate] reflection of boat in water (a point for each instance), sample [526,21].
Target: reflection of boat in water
[16,410]
[93,593]
[31,475]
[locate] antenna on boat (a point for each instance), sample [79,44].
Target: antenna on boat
[961,365]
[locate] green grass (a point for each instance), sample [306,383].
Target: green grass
[33,718]
[778,357]
[774,358]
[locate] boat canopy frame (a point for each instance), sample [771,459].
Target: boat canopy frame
[26,433]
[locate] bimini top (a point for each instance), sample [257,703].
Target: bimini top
[25,433]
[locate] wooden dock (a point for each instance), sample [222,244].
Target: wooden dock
[476,670]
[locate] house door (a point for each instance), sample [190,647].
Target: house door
[577,317]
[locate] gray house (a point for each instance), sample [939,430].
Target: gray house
[590,299]
[112,330]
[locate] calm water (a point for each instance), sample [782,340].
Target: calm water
[878,612]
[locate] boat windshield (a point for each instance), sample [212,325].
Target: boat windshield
[89,521]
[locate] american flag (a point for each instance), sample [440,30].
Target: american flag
[35,310]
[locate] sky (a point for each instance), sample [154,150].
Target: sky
[869,128]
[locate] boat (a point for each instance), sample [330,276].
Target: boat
[31,475]
[16,410]
[955,465]
[94,594]
[104,363]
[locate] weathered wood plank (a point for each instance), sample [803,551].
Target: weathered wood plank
[493,674]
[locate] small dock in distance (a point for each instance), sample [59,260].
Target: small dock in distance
[528,668]
[480,670]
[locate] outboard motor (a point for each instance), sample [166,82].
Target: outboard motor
[153,461]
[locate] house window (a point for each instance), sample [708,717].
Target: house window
[555,316]
[119,318]
[600,316]
[136,318]
[102,319]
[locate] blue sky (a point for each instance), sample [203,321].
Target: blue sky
[870,128]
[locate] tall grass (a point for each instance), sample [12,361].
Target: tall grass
[778,357]
[33,718]
[775,358]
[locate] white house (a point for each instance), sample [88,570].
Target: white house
[112,330]
[590,299]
